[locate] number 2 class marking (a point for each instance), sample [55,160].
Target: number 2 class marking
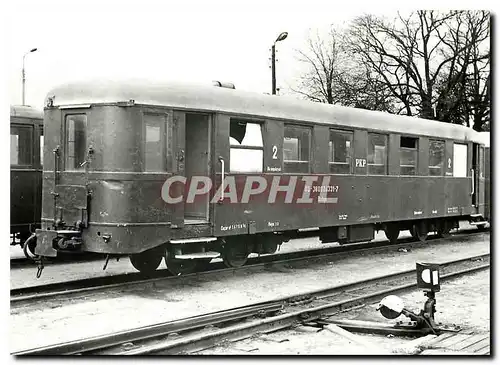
[449,163]
[275,153]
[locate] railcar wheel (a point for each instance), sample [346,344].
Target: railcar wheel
[481,227]
[265,244]
[147,261]
[419,231]
[443,229]
[203,265]
[271,247]
[392,232]
[29,247]
[235,255]
[180,267]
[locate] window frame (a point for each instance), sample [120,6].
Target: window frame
[66,142]
[412,149]
[41,145]
[31,131]
[386,164]
[246,147]
[286,162]
[465,148]
[350,155]
[482,163]
[163,142]
[443,168]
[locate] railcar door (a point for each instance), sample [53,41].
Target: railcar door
[478,179]
[192,155]
[242,206]
[73,157]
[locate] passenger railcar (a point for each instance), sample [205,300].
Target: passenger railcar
[137,168]
[26,144]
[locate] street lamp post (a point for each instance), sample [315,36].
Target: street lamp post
[281,37]
[24,74]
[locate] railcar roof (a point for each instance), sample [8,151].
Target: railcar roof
[485,138]
[217,99]
[25,111]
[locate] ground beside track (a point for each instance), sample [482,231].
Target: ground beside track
[464,301]
[129,309]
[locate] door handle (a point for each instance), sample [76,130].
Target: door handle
[222,179]
[472,181]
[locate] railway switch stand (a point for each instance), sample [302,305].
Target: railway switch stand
[428,280]
[391,307]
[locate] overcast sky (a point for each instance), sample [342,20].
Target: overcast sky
[190,41]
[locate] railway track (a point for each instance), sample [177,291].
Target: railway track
[194,334]
[27,295]
[24,262]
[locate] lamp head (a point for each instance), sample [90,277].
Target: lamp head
[282,36]
[391,307]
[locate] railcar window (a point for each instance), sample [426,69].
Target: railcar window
[296,149]
[246,146]
[436,158]
[481,162]
[377,154]
[76,126]
[340,148]
[41,146]
[459,160]
[408,155]
[21,142]
[153,143]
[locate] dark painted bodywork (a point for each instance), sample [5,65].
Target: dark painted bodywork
[26,180]
[487,184]
[114,206]
[118,208]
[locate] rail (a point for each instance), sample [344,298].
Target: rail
[197,333]
[22,296]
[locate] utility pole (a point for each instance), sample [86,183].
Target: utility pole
[281,37]
[24,73]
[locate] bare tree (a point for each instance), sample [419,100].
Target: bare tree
[431,64]
[479,79]
[464,90]
[332,77]
[405,53]
[323,61]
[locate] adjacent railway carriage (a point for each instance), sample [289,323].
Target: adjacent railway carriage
[26,144]
[193,172]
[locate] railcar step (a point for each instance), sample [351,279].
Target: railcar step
[193,240]
[67,231]
[478,223]
[198,255]
[308,229]
[475,215]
